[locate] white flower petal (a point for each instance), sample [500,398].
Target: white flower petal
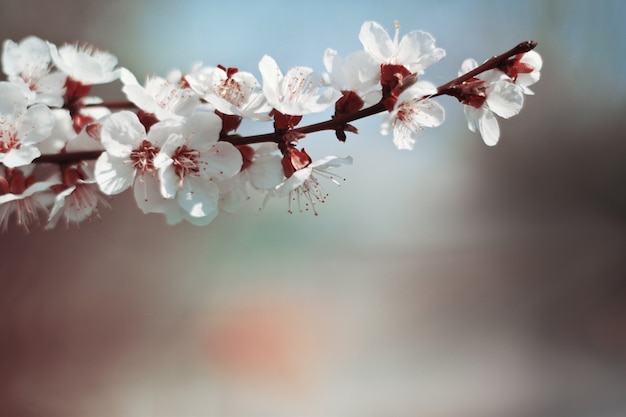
[160,132]
[330,161]
[233,192]
[297,93]
[297,179]
[146,190]
[12,99]
[533,60]
[19,157]
[51,89]
[222,160]
[199,199]
[59,204]
[403,137]
[417,51]
[366,69]
[430,114]
[272,76]
[266,172]
[62,131]
[121,133]
[11,58]
[473,115]
[36,124]
[168,178]
[202,130]
[376,41]
[468,65]
[489,129]
[505,98]
[85,64]
[331,59]
[174,214]
[28,64]
[174,141]
[113,175]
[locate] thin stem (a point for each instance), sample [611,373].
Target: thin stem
[69,157]
[332,124]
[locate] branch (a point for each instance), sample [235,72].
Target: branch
[491,63]
[334,123]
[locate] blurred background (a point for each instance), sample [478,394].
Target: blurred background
[455,280]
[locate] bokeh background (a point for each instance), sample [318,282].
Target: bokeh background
[453,280]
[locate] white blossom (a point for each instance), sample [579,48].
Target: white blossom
[28,64]
[413,111]
[527,71]
[303,187]
[84,63]
[297,92]
[21,127]
[261,169]
[230,91]
[128,160]
[190,163]
[490,93]
[358,72]
[77,197]
[163,98]
[416,50]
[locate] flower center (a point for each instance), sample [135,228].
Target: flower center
[299,86]
[8,138]
[407,110]
[143,157]
[185,161]
[307,195]
[232,91]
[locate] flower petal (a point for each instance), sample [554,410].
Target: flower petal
[121,133]
[417,51]
[199,199]
[272,76]
[430,114]
[168,178]
[12,99]
[221,161]
[113,174]
[148,195]
[36,124]
[19,157]
[266,172]
[505,98]
[489,129]
[376,41]
[202,130]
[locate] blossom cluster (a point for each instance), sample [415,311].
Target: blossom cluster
[174,140]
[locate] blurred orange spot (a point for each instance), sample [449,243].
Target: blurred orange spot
[269,340]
